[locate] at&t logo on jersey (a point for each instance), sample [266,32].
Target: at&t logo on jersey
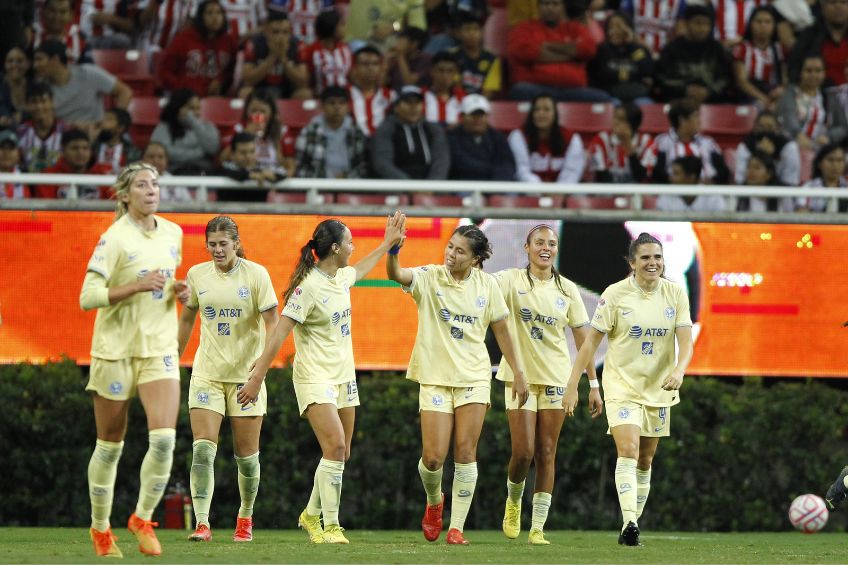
[635,332]
[647,348]
[223,328]
[339,316]
[527,315]
[447,316]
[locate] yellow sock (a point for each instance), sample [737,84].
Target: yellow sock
[514,491]
[643,487]
[541,505]
[202,478]
[248,482]
[328,476]
[102,470]
[625,485]
[464,482]
[432,481]
[155,470]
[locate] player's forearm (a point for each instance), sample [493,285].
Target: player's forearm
[395,272]
[500,330]
[273,343]
[367,263]
[585,354]
[185,328]
[685,348]
[119,293]
[579,340]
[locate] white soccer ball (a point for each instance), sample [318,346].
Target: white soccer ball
[808,513]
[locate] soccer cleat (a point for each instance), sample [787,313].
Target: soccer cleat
[512,519]
[537,537]
[201,533]
[431,523]
[455,537]
[244,529]
[104,543]
[312,525]
[837,491]
[143,532]
[334,533]
[629,535]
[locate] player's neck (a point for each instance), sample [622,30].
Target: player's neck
[541,274]
[145,223]
[460,276]
[646,285]
[328,267]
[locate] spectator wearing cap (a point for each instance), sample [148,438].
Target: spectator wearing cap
[695,57]
[405,146]
[331,146]
[477,150]
[10,159]
[75,160]
[78,90]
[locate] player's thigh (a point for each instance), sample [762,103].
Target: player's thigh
[110,418]
[246,432]
[327,426]
[436,431]
[468,420]
[205,424]
[161,401]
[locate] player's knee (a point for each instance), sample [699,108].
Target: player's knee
[523,456]
[465,453]
[203,452]
[432,461]
[162,442]
[545,455]
[644,462]
[629,449]
[335,451]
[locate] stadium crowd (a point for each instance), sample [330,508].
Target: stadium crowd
[262,90]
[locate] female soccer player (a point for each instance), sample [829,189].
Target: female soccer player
[544,304]
[456,301]
[641,315]
[236,296]
[130,280]
[318,310]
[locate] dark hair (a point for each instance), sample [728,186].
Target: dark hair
[633,114]
[822,154]
[38,89]
[531,132]
[643,239]
[72,135]
[444,57]
[770,11]
[227,225]
[171,112]
[366,49]
[694,10]
[200,26]
[276,15]
[122,117]
[575,9]
[273,127]
[326,234]
[691,165]
[481,249]
[415,35]
[242,137]
[680,110]
[326,24]
[620,15]
[53,48]
[464,17]
[556,274]
[769,163]
[334,91]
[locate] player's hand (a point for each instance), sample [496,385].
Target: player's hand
[395,228]
[152,281]
[183,291]
[249,393]
[569,400]
[596,403]
[519,389]
[673,381]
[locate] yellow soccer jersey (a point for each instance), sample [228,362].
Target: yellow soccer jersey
[145,324]
[641,328]
[450,347]
[540,317]
[232,332]
[322,337]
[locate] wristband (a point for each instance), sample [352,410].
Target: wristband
[593,383]
[394,249]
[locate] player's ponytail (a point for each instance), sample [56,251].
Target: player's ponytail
[481,249]
[227,225]
[122,185]
[326,234]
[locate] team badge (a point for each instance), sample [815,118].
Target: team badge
[243,292]
[203,397]
[481,302]
[438,400]
[116,387]
[669,312]
[624,413]
[560,303]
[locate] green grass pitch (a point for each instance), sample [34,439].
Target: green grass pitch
[71,545]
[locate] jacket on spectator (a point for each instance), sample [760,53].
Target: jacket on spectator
[809,41]
[829,119]
[683,61]
[404,151]
[194,62]
[623,71]
[195,149]
[311,150]
[541,165]
[486,157]
[525,46]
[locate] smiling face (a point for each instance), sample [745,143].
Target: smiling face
[458,255]
[543,113]
[647,264]
[542,247]
[223,250]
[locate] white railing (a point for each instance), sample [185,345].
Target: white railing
[474,201]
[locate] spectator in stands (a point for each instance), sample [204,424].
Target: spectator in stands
[271,61]
[443,99]
[113,145]
[685,138]
[622,66]
[760,171]
[733,18]
[477,150]
[443,20]
[687,170]
[331,146]
[766,138]
[243,167]
[155,154]
[480,69]
[301,14]
[656,22]
[192,143]
[758,63]
[375,21]
[405,146]
[696,55]
[57,24]
[828,172]
[75,160]
[78,90]
[616,156]
[158,21]
[13,87]
[15,24]
[40,138]
[828,37]
[368,100]
[10,160]
[261,118]
[811,116]
[841,92]
[329,59]
[549,56]
[202,56]
[406,62]
[244,16]
[107,25]
[544,151]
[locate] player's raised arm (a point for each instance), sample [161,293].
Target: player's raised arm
[395,228]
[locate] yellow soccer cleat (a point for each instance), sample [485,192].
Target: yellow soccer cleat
[142,529]
[104,543]
[512,520]
[312,525]
[537,537]
[334,534]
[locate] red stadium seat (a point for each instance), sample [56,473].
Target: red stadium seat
[496,31]
[131,66]
[144,111]
[369,199]
[728,124]
[225,113]
[597,202]
[509,201]
[654,119]
[437,200]
[297,113]
[278,197]
[585,117]
[508,115]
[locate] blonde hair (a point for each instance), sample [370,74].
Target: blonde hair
[126,177]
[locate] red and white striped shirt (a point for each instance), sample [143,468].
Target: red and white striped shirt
[702,146]
[328,67]
[760,64]
[732,16]
[39,153]
[654,21]
[86,9]
[811,114]
[73,39]
[443,110]
[542,165]
[14,191]
[170,18]
[244,16]
[115,156]
[370,111]
[607,154]
[302,15]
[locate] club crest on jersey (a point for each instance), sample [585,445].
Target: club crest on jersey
[481,302]
[560,303]
[624,413]
[243,292]
[669,312]
[203,397]
[174,252]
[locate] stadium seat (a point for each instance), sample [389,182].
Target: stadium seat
[437,200]
[597,202]
[585,118]
[225,113]
[279,197]
[496,31]
[510,201]
[728,124]
[144,112]
[371,199]
[654,119]
[297,113]
[508,115]
[131,66]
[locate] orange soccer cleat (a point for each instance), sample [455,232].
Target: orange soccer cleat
[455,537]
[142,529]
[201,533]
[104,543]
[244,529]
[431,523]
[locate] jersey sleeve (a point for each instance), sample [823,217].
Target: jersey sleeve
[604,318]
[191,279]
[497,308]
[105,257]
[266,298]
[299,304]
[420,282]
[504,281]
[683,317]
[577,315]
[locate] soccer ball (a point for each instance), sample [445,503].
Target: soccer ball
[808,513]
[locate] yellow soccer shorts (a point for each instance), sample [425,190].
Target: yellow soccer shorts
[222,397]
[118,379]
[653,421]
[446,399]
[344,395]
[541,397]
